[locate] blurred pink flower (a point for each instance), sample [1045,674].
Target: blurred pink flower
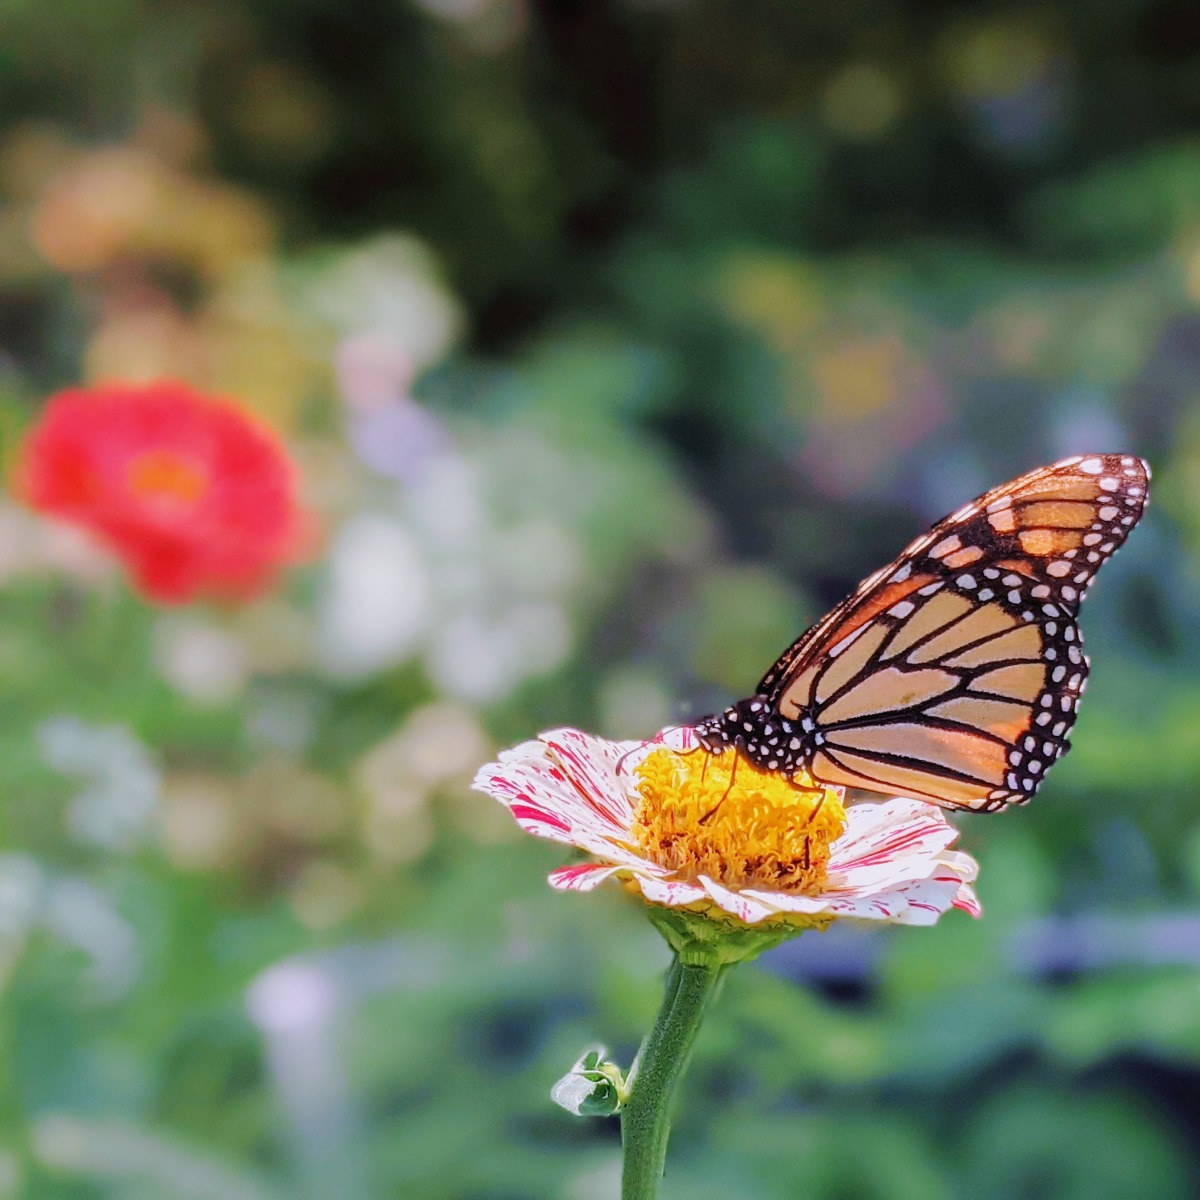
[191,492]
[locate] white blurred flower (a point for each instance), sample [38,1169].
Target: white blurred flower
[378,599]
[121,784]
[481,658]
[373,370]
[84,917]
[22,890]
[200,660]
[292,996]
[439,741]
[72,909]
[449,505]
[34,545]
[390,286]
[389,432]
[398,441]
[477,588]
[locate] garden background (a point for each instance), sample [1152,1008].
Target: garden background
[615,342]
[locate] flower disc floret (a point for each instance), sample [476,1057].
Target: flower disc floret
[665,818]
[727,820]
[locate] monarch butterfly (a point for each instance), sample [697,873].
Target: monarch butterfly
[954,672]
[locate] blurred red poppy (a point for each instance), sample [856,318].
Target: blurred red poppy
[192,493]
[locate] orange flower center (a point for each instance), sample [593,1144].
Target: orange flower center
[753,828]
[163,475]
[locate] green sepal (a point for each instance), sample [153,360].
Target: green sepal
[705,939]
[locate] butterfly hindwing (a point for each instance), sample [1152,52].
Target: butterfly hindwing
[949,698]
[954,672]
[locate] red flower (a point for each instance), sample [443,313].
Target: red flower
[190,491]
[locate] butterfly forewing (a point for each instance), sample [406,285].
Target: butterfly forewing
[954,672]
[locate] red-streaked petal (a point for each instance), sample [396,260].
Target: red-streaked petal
[886,845]
[590,766]
[581,877]
[878,832]
[968,901]
[529,817]
[529,775]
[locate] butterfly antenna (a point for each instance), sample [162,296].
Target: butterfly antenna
[624,757]
[657,739]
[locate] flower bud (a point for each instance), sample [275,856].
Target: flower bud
[594,1087]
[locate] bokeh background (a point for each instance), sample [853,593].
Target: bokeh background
[615,342]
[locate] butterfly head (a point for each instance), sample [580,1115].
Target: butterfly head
[754,728]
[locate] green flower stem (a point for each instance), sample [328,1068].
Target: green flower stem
[646,1117]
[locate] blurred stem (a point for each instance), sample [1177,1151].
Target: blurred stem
[646,1117]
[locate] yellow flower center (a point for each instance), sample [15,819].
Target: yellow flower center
[741,826]
[162,475]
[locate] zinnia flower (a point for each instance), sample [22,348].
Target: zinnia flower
[192,493]
[697,833]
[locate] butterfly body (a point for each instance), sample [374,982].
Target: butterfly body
[953,673]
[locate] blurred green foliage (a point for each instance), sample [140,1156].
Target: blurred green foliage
[687,316]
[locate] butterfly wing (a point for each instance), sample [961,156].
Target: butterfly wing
[954,672]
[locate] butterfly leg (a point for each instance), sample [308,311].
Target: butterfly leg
[816,809]
[732,776]
[809,789]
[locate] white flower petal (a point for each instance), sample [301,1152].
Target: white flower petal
[668,891]
[927,900]
[741,904]
[915,902]
[788,902]
[963,865]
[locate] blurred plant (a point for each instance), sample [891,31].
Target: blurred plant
[732,860]
[190,492]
